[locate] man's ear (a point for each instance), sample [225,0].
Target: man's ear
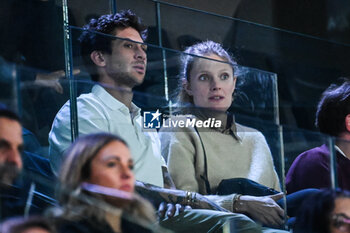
[98,58]
[347,122]
[187,87]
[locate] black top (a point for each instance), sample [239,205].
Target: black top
[95,226]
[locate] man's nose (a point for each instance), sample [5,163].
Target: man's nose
[140,54]
[14,157]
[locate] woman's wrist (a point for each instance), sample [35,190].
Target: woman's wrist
[236,203]
[190,198]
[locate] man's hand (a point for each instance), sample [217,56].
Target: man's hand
[52,79]
[169,210]
[262,209]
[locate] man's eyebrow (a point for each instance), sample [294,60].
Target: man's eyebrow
[124,39]
[4,143]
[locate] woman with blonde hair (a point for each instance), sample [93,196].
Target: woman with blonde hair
[219,152]
[96,191]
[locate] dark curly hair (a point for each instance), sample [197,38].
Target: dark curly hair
[333,108]
[314,215]
[7,113]
[93,38]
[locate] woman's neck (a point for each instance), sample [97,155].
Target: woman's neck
[114,221]
[217,115]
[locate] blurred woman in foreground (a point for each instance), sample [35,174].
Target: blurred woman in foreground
[96,189]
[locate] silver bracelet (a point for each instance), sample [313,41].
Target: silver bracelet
[235,202]
[190,197]
[194,199]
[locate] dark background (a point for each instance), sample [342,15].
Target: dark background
[305,42]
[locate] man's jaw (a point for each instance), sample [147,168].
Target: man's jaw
[8,173]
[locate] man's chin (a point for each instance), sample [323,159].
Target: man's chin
[139,80]
[137,77]
[128,79]
[6,183]
[135,82]
[8,173]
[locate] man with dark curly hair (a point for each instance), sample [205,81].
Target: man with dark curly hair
[311,169]
[114,54]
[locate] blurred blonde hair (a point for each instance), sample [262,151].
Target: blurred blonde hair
[76,202]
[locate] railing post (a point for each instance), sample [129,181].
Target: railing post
[69,72]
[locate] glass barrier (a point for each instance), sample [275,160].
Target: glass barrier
[162,80]
[88,206]
[34,40]
[80,12]
[45,183]
[303,143]
[34,84]
[305,65]
[36,100]
[248,107]
[40,188]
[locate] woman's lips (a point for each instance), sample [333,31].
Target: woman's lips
[126,187]
[216,98]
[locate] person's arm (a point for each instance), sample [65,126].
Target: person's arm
[52,79]
[178,148]
[263,209]
[262,168]
[183,148]
[309,170]
[120,199]
[168,182]
[91,119]
[157,195]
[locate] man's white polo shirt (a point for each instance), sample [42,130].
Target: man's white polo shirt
[98,111]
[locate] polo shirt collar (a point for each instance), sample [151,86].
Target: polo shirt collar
[112,103]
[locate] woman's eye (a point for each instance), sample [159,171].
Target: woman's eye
[225,76]
[111,164]
[203,77]
[131,166]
